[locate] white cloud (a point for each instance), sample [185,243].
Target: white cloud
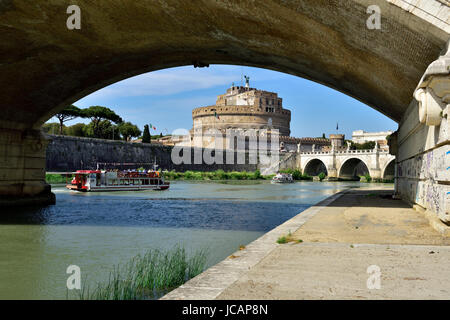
[177,80]
[165,82]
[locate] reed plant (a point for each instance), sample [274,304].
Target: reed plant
[148,276]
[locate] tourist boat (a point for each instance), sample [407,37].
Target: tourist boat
[282,178]
[103,180]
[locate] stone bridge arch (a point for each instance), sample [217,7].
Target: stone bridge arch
[314,167]
[44,66]
[388,172]
[353,167]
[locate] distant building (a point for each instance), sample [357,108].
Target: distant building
[361,136]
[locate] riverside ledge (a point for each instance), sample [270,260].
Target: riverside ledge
[341,237]
[213,281]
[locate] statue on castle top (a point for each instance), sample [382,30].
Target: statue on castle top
[247,81]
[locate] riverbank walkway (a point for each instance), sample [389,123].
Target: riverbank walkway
[331,247]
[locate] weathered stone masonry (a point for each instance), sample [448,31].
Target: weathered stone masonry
[66,153]
[423,154]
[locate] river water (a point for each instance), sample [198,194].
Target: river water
[98,230]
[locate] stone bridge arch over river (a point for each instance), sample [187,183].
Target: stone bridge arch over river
[44,66]
[343,164]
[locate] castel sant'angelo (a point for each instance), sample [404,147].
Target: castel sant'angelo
[244,108]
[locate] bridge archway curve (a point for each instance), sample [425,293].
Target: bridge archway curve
[46,66]
[314,167]
[352,168]
[120,39]
[388,172]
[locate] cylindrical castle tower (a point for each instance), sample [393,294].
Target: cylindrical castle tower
[243,108]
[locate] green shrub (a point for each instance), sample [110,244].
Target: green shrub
[188,175]
[282,240]
[257,175]
[322,176]
[221,175]
[57,178]
[297,174]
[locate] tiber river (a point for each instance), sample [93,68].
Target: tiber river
[98,230]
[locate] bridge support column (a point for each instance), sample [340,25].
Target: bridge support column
[332,173]
[375,173]
[22,168]
[423,142]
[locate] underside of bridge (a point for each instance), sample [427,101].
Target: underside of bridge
[44,66]
[389,171]
[353,169]
[315,167]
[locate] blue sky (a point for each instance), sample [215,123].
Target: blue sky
[166,98]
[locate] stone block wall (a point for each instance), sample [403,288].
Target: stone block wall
[423,162]
[66,153]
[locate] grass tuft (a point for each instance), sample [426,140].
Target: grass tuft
[148,276]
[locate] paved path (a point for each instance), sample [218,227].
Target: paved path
[342,237]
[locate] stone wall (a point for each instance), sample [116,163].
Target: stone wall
[66,153]
[423,159]
[423,142]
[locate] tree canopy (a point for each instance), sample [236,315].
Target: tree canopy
[362,146]
[105,124]
[129,130]
[69,113]
[98,114]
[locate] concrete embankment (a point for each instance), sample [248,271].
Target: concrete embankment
[341,238]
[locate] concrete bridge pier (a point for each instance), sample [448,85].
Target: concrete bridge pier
[423,144]
[375,173]
[332,173]
[22,168]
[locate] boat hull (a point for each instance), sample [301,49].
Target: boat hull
[119,188]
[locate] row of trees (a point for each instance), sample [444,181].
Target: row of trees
[105,124]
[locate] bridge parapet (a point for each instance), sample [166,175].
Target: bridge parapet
[363,151]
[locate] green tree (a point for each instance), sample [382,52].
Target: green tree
[52,127]
[146,137]
[105,130]
[77,130]
[69,113]
[129,130]
[363,146]
[97,114]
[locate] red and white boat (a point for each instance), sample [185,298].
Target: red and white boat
[103,180]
